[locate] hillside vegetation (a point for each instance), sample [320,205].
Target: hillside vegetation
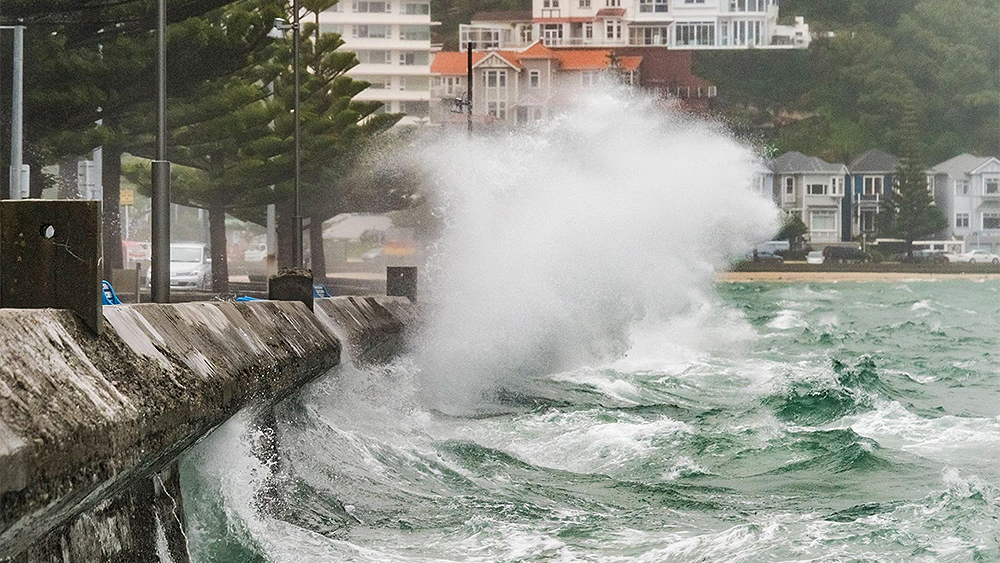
[847,93]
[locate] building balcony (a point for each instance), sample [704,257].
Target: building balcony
[386,95]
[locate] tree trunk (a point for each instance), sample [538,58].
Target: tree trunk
[316,252]
[286,232]
[220,256]
[111,173]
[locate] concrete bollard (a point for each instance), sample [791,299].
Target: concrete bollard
[50,257]
[401,281]
[291,285]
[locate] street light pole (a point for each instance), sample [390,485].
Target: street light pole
[17,115]
[160,217]
[297,220]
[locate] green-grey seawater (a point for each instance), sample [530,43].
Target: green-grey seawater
[841,422]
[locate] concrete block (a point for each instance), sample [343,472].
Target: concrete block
[401,281]
[292,285]
[50,257]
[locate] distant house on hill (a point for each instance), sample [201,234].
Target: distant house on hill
[967,190]
[870,177]
[519,87]
[813,189]
[674,24]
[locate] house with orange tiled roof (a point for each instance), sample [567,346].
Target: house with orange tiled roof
[519,87]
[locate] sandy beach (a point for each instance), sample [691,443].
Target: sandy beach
[828,277]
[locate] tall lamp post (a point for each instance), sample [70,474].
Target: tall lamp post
[17,115]
[160,218]
[280,26]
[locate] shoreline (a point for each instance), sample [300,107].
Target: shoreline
[835,277]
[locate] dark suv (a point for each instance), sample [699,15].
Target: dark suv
[841,254]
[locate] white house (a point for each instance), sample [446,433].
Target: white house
[392,40]
[519,87]
[967,190]
[813,189]
[677,24]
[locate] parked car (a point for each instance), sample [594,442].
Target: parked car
[980,256]
[765,257]
[256,252]
[842,254]
[815,257]
[190,266]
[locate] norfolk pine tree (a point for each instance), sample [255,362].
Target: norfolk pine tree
[908,211]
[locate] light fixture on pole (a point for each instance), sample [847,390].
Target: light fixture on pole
[278,31]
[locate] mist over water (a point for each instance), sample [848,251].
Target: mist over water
[558,238]
[583,391]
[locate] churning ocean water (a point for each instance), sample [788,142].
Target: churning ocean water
[580,389]
[779,422]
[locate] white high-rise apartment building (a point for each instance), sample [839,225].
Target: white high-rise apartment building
[392,39]
[675,24]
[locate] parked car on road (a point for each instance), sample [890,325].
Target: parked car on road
[973,257]
[190,266]
[842,254]
[815,257]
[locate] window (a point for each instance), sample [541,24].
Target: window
[746,5]
[867,221]
[416,9]
[662,6]
[371,31]
[816,189]
[873,185]
[837,185]
[694,1]
[552,33]
[495,78]
[992,186]
[823,221]
[550,3]
[497,109]
[534,79]
[961,220]
[331,28]
[368,7]
[645,6]
[419,83]
[584,4]
[648,35]
[961,187]
[613,3]
[413,58]
[991,221]
[695,33]
[588,31]
[744,32]
[613,29]
[789,187]
[415,108]
[415,32]
[375,57]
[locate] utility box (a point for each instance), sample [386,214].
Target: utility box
[50,257]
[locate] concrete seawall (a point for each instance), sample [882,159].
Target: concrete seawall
[91,426]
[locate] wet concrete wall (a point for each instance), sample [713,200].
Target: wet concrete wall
[90,426]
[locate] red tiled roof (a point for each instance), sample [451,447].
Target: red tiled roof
[538,51]
[611,12]
[593,59]
[453,63]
